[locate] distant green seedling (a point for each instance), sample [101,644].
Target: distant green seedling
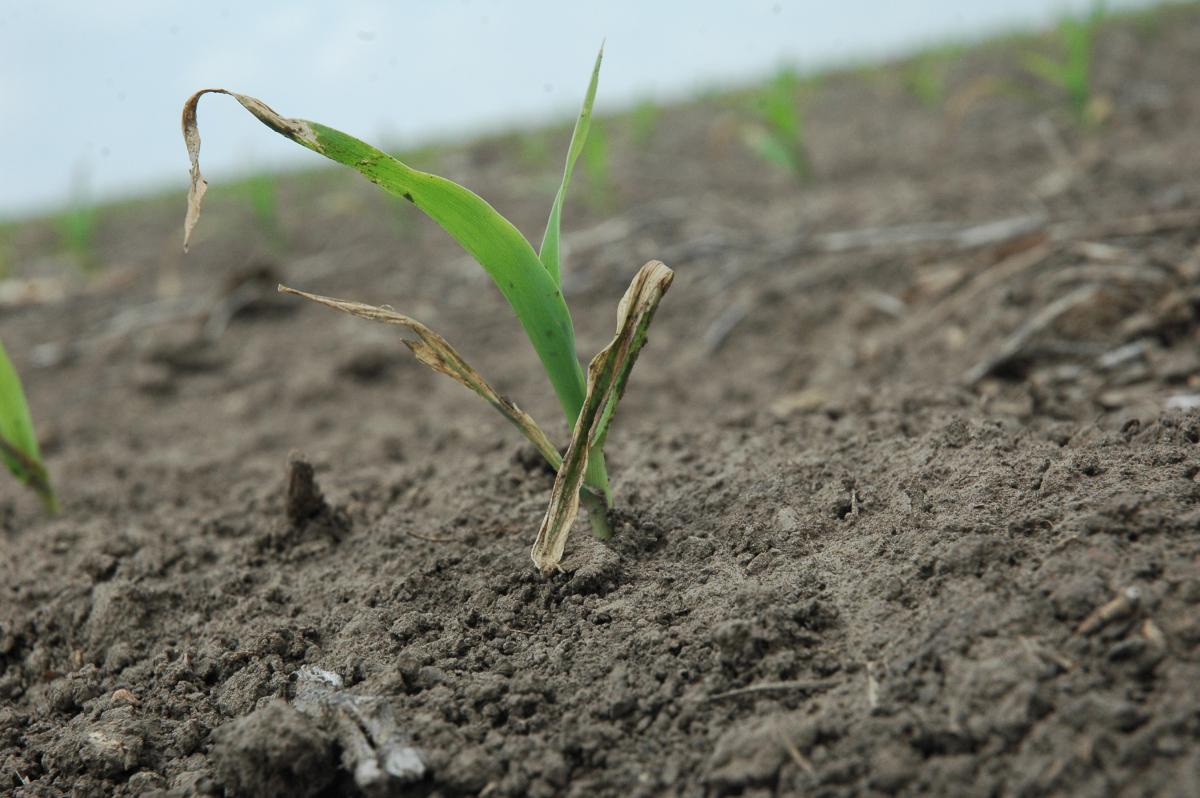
[530,280]
[598,169]
[5,251]
[261,191]
[77,231]
[777,133]
[644,121]
[1071,72]
[925,75]
[18,442]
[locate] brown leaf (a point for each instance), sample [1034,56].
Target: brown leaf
[436,352]
[607,375]
[295,129]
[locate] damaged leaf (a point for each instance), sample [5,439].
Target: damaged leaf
[18,441]
[491,239]
[608,374]
[436,352]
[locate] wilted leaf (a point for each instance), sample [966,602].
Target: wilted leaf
[608,374]
[490,238]
[436,352]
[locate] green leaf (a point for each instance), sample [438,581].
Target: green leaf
[490,238]
[18,442]
[551,252]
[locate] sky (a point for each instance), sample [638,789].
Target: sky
[90,92]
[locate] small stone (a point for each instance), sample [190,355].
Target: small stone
[126,696]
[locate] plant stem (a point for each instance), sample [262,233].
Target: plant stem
[597,510]
[597,504]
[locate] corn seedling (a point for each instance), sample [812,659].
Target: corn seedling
[5,251]
[644,120]
[1072,72]
[925,76]
[777,136]
[528,279]
[535,152]
[262,194]
[598,169]
[77,231]
[18,442]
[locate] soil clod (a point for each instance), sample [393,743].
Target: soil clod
[304,498]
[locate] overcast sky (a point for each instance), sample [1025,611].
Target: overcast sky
[90,92]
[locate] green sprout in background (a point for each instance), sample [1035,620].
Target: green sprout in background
[261,191]
[535,149]
[777,135]
[644,121]
[77,232]
[1072,71]
[598,169]
[925,75]
[531,282]
[5,250]
[18,442]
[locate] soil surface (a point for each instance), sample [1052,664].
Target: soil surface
[908,479]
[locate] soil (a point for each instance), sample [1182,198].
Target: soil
[903,512]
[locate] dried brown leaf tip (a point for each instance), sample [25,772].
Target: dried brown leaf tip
[296,129]
[607,375]
[436,352]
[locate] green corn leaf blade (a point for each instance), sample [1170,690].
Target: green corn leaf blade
[608,374]
[551,252]
[490,238]
[18,442]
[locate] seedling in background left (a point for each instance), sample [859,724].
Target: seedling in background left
[530,281]
[18,442]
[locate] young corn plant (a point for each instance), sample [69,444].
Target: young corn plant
[925,75]
[18,442]
[644,120]
[1072,72]
[531,282]
[262,194]
[598,169]
[77,230]
[778,136]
